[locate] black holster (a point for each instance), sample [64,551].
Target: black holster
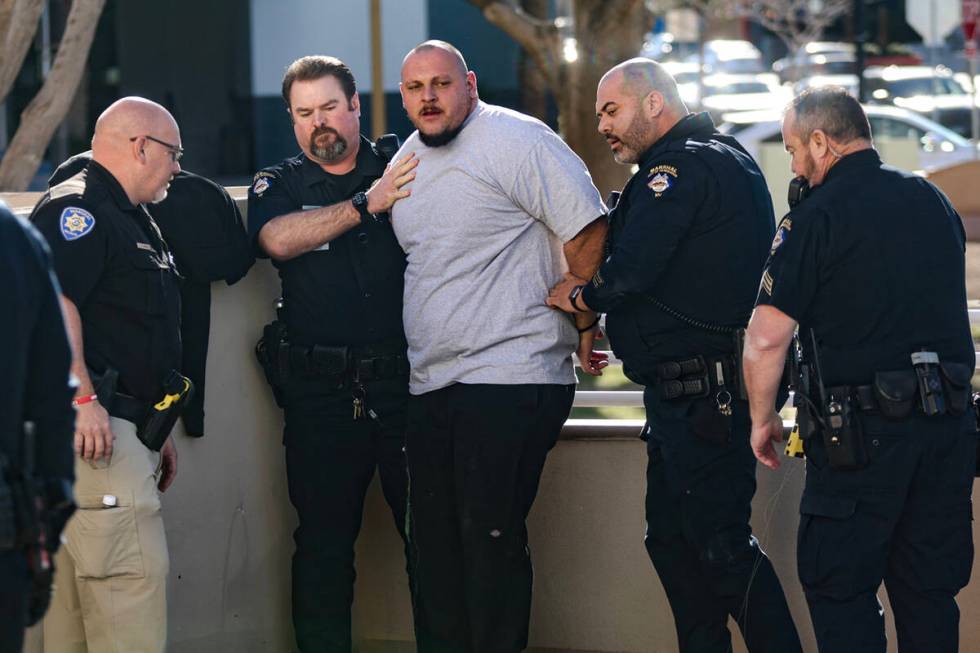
[161,416]
[272,352]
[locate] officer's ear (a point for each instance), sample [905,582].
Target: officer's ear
[139,148]
[653,104]
[818,144]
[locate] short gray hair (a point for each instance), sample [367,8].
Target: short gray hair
[833,111]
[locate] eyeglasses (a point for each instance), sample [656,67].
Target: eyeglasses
[176,151]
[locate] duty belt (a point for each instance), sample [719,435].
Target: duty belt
[345,363]
[898,394]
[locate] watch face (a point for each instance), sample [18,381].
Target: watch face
[359,199]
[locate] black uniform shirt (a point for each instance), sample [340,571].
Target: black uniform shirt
[873,262]
[349,291]
[692,229]
[115,267]
[34,354]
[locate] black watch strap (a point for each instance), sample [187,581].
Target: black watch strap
[360,202]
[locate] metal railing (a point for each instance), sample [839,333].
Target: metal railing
[634,398]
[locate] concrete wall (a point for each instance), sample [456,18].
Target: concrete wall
[229,528]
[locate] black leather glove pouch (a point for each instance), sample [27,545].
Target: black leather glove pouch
[896,392]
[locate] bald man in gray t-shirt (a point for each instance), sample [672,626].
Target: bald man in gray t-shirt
[499,209]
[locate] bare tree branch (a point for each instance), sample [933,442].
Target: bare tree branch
[48,108]
[539,38]
[18,23]
[796,22]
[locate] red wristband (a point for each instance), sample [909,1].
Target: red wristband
[79,401]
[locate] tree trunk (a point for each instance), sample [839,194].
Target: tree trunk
[48,108]
[534,84]
[607,32]
[18,23]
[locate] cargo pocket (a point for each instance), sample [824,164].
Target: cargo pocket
[824,560]
[103,540]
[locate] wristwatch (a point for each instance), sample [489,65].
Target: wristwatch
[360,202]
[573,298]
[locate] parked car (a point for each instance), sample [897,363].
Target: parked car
[929,91]
[938,146]
[686,76]
[727,93]
[731,56]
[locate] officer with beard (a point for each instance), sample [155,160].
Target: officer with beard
[341,372]
[687,244]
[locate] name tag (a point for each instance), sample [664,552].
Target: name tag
[325,246]
[146,247]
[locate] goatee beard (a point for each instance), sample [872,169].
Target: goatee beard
[331,152]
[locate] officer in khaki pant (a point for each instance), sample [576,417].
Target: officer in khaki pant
[121,306]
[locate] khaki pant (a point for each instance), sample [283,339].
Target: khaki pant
[110,587]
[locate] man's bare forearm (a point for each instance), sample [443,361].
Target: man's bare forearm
[73,325]
[766,342]
[584,252]
[287,236]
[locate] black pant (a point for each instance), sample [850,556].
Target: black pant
[330,461]
[475,455]
[698,504]
[904,519]
[14,594]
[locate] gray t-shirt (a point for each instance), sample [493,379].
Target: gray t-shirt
[483,230]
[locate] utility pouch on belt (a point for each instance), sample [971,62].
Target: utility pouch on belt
[686,378]
[843,438]
[896,393]
[956,384]
[177,391]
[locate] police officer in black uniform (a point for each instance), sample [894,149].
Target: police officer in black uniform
[871,266]
[339,365]
[688,239]
[122,311]
[34,388]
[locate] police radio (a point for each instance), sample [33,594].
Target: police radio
[387,145]
[799,188]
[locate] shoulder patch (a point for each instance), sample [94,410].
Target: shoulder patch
[661,178]
[260,186]
[76,222]
[782,232]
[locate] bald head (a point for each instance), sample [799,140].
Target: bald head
[638,77]
[138,141]
[436,44]
[636,103]
[132,116]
